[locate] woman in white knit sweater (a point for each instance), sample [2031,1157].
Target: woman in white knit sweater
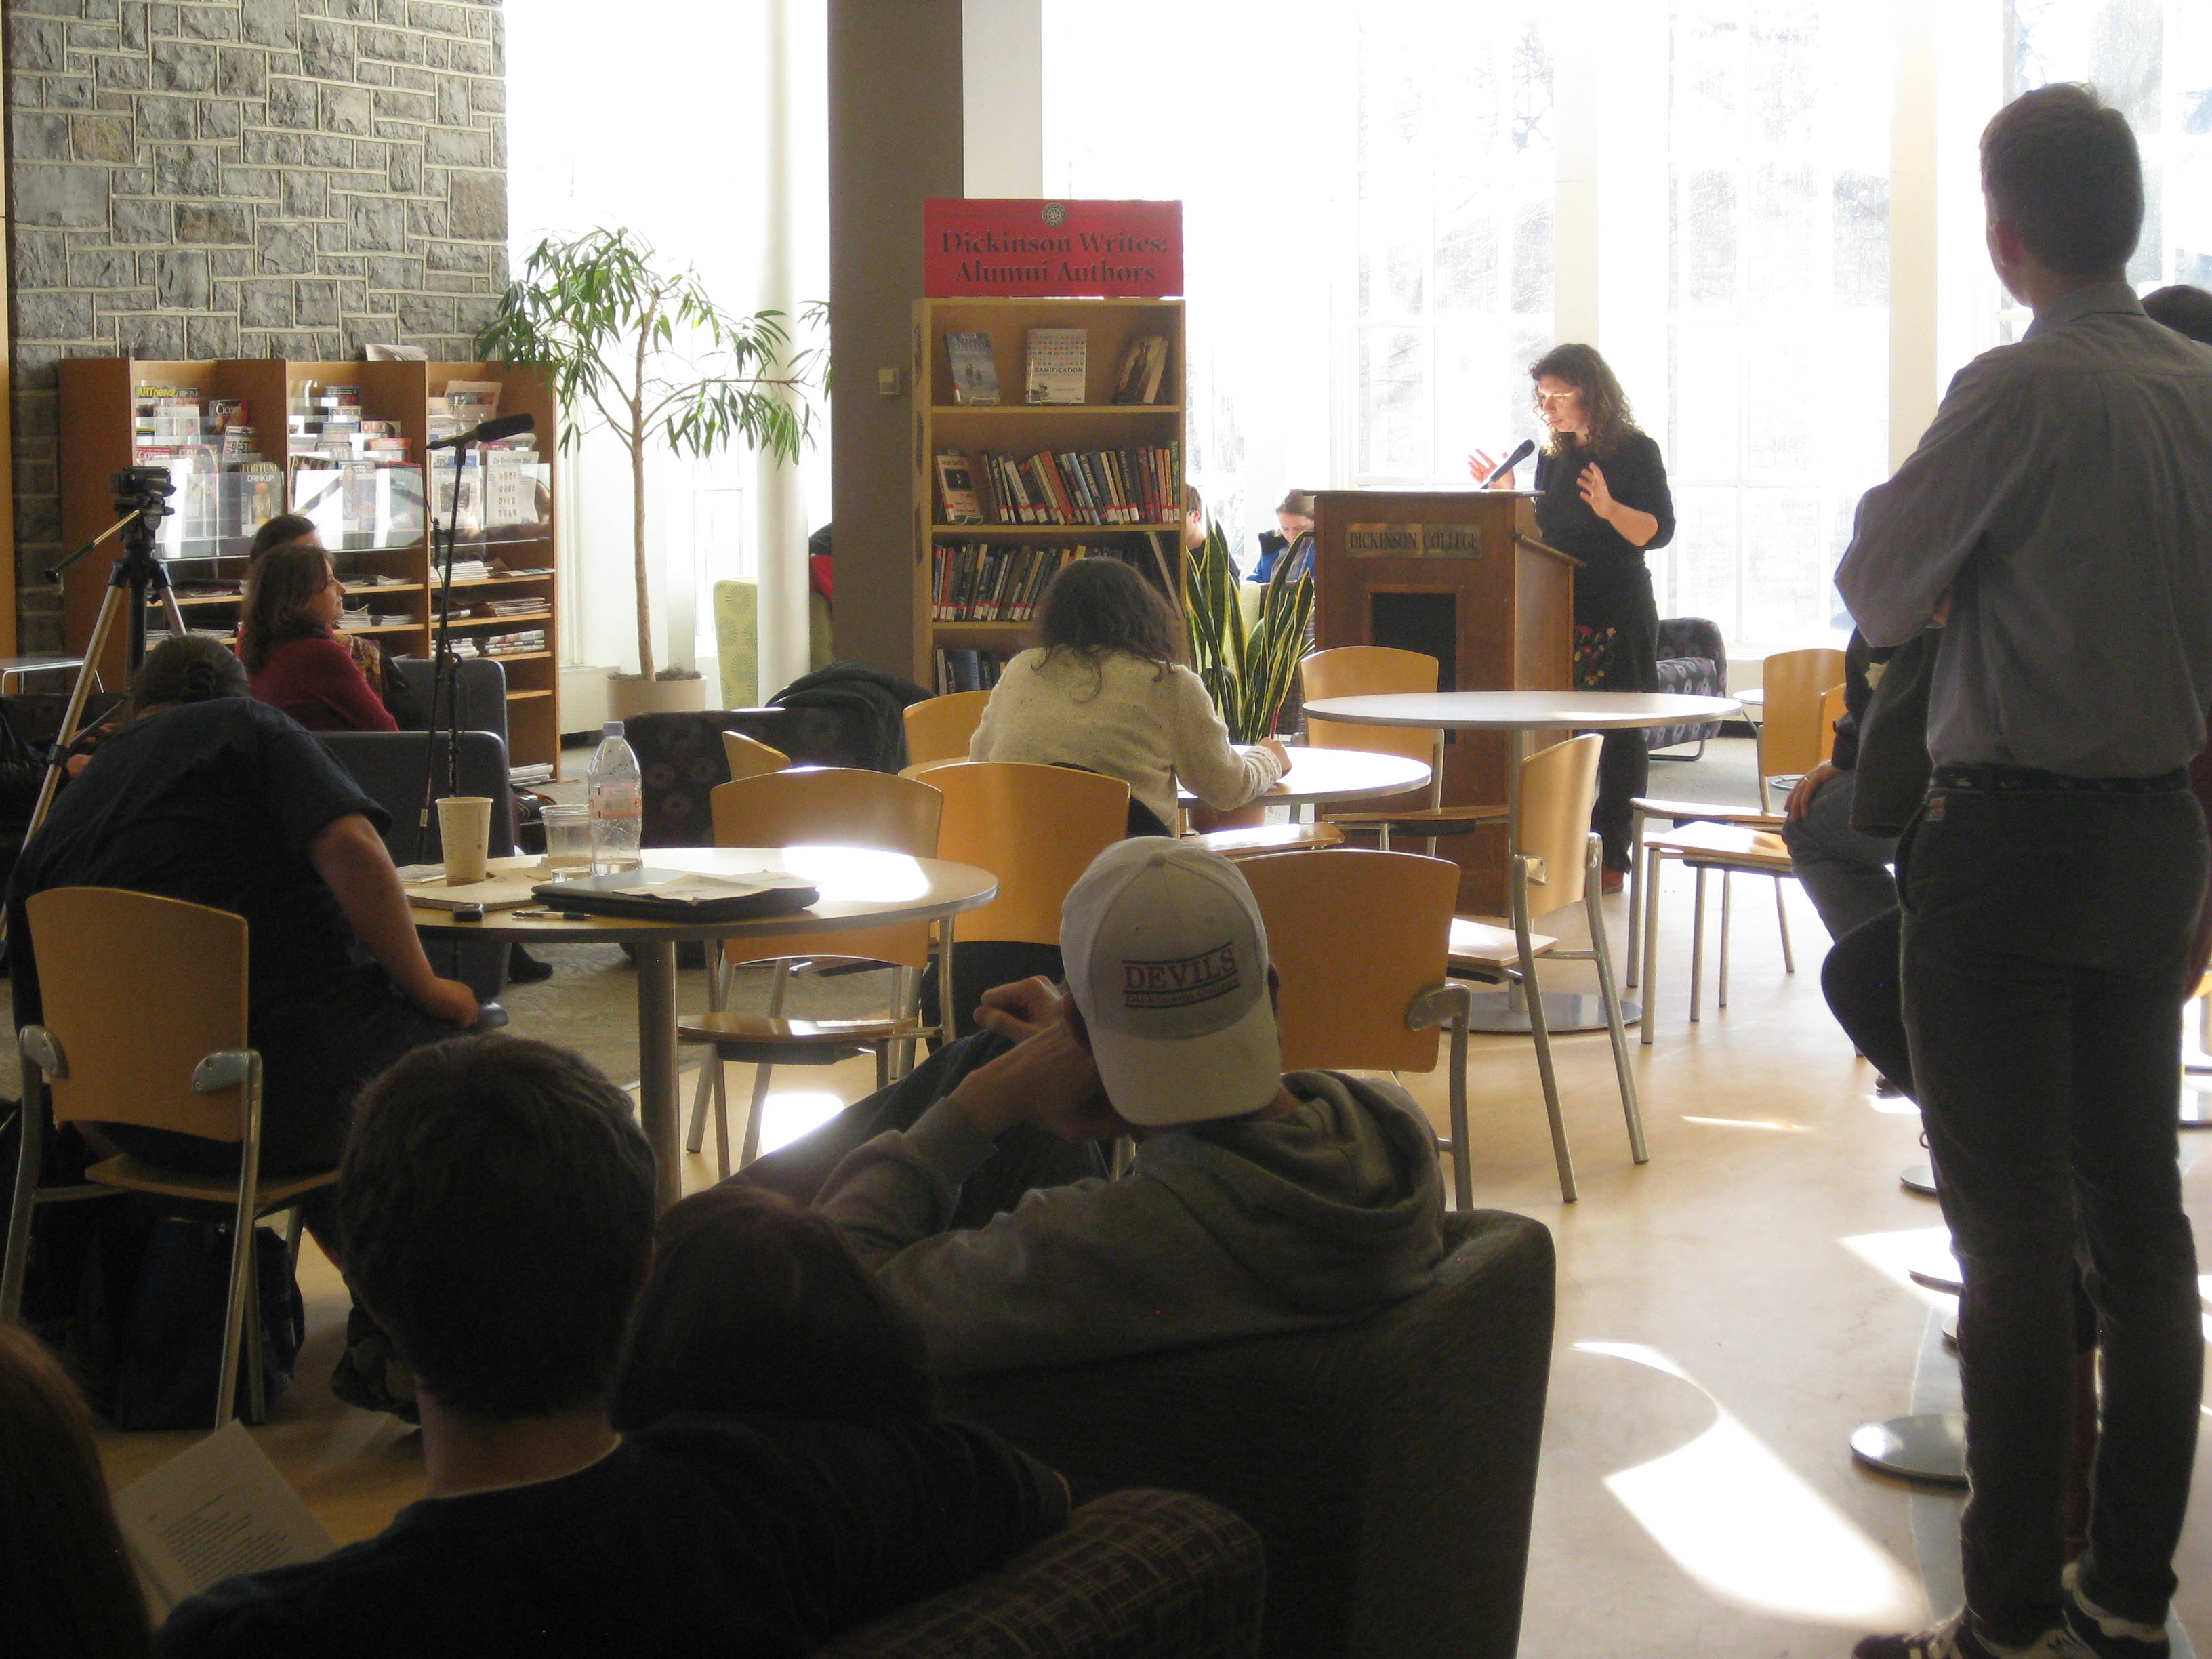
[1107,690]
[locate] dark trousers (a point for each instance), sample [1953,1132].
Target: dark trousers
[1026,1157]
[1624,772]
[1860,980]
[2045,943]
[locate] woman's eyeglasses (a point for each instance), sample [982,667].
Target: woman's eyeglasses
[1548,400]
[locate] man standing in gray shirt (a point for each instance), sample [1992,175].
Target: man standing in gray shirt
[2061,507]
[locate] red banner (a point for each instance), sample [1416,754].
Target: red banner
[1114,250]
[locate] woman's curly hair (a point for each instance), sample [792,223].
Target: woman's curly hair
[1605,405]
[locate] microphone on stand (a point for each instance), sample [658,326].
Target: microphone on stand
[507,426]
[1526,447]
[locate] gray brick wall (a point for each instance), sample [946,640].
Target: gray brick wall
[240,179]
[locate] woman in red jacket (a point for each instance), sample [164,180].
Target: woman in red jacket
[293,602]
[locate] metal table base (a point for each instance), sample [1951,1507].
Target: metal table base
[1931,1448]
[1565,1012]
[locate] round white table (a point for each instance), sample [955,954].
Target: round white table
[1331,775]
[860,888]
[1517,713]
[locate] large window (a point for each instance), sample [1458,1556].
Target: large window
[1777,414]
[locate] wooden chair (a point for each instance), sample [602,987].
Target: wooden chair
[127,1037]
[829,806]
[749,757]
[939,728]
[1832,710]
[1359,938]
[1359,670]
[1732,849]
[1791,737]
[1555,864]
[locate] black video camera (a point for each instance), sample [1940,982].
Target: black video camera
[144,490]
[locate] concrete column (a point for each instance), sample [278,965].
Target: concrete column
[1913,388]
[895,137]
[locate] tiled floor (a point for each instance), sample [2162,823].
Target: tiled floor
[1728,1313]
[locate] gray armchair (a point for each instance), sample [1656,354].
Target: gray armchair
[1389,1468]
[483,690]
[1140,1575]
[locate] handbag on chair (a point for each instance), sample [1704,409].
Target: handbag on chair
[172,1338]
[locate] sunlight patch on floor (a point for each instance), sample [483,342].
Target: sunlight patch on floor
[1739,1521]
[1750,1123]
[1895,1255]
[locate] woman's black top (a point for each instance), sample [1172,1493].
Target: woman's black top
[1612,579]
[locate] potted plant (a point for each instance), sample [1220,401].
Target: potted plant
[645,354]
[1246,670]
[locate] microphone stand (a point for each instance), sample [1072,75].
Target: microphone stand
[445,672]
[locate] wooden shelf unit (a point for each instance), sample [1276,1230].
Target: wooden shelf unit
[98,400]
[1014,428]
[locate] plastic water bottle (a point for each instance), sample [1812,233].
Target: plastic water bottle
[617,796]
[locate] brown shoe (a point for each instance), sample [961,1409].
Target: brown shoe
[1613,881]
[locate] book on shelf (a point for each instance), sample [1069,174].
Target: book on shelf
[968,671]
[1144,365]
[975,371]
[984,581]
[956,489]
[1081,487]
[1058,361]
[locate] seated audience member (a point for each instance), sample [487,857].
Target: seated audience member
[1194,518]
[755,1305]
[2184,309]
[282,531]
[209,796]
[1256,1204]
[287,641]
[1294,518]
[66,1586]
[497,1203]
[1845,873]
[1107,690]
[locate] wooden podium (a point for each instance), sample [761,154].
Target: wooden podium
[1459,576]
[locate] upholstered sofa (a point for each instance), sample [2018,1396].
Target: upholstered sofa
[1693,662]
[682,760]
[1137,1575]
[1389,1468]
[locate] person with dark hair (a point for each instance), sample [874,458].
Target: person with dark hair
[1294,524]
[1844,871]
[66,1585]
[497,1202]
[284,531]
[207,796]
[755,1304]
[1601,497]
[2059,511]
[287,638]
[2184,309]
[1107,689]
[1194,518]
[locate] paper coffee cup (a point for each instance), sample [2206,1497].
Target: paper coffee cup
[465,833]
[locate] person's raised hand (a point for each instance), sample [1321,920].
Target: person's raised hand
[1481,466]
[447,1000]
[1594,491]
[1800,797]
[1019,1010]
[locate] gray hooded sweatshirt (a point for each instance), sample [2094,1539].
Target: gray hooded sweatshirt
[1236,1228]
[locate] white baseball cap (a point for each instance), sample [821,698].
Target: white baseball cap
[1167,959]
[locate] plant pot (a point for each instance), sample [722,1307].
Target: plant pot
[631,693]
[1205,819]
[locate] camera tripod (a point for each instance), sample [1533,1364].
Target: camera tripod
[138,575]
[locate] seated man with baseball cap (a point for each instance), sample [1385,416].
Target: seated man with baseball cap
[1257,1204]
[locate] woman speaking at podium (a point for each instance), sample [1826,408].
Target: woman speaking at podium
[1601,496]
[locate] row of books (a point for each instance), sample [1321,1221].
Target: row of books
[981,581]
[1061,486]
[968,671]
[1059,361]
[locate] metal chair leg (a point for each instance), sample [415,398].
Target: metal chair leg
[295,1221]
[717,999]
[1615,1028]
[1538,1029]
[30,1153]
[1727,892]
[257,1402]
[762,1073]
[1635,893]
[1653,863]
[1782,917]
[1698,949]
[1463,1169]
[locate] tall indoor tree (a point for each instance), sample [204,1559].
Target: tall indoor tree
[645,353]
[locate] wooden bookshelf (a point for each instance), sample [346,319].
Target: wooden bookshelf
[97,402]
[1014,428]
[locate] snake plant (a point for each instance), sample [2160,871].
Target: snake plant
[1247,670]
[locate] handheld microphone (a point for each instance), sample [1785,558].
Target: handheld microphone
[507,426]
[1526,447]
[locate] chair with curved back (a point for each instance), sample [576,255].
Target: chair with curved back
[1037,828]
[1360,671]
[1832,710]
[1791,736]
[837,806]
[749,757]
[1359,938]
[1554,866]
[125,1037]
[939,728]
